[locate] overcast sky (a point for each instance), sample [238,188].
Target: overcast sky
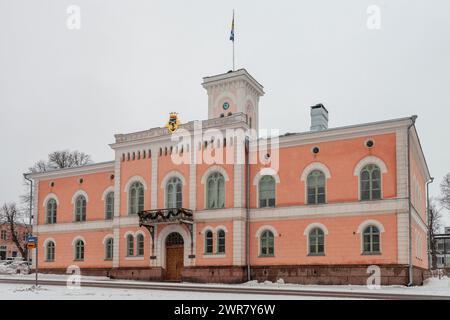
[132,62]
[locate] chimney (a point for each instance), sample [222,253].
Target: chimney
[319,117]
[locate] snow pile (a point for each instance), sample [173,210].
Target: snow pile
[6,269]
[444,282]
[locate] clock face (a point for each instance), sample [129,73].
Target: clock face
[225,106]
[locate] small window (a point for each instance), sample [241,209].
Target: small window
[79,250]
[267,244]
[109,206]
[371,240]
[208,242]
[370,182]
[215,192]
[174,195]
[136,198]
[50,251]
[3,235]
[140,245]
[109,249]
[316,187]
[316,242]
[266,192]
[51,211]
[80,208]
[221,242]
[130,245]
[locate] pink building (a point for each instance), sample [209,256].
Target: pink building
[314,207]
[8,248]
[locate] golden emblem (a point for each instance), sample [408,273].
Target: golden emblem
[173,122]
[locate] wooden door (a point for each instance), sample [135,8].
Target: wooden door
[174,262]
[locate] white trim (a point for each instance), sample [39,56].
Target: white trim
[213,169]
[107,191]
[108,236]
[48,197]
[265,172]
[46,241]
[78,238]
[134,258]
[207,228]
[133,179]
[79,192]
[138,233]
[266,227]
[315,166]
[127,234]
[221,227]
[172,174]
[367,223]
[369,160]
[315,225]
[75,171]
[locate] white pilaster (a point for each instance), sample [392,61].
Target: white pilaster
[239,243]
[403,237]
[154,184]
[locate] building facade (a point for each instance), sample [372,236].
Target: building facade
[319,206]
[443,249]
[8,249]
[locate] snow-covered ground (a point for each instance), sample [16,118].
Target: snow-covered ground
[432,286]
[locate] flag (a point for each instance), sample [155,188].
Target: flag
[232,29]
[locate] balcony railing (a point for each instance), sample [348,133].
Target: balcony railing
[147,217]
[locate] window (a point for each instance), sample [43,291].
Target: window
[221,242]
[109,246]
[267,244]
[109,206]
[51,211]
[3,235]
[215,192]
[50,251]
[316,187]
[371,240]
[174,196]
[316,242]
[136,198]
[370,182]
[267,192]
[140,245]
[79,250]
[208,242]
[130,245]
[80,208]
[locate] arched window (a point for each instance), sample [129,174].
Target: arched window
[109,206]
[370,184]
[136,198]
[215,192]
[79,250]
[316,242]
[208,242]
[130,245]
[140,245]
[50,251]
[267,192]
[174,195]
[109,247]
[51,211]
[267,244]
[221,241]
[80,208]
[316,187]
[371,240]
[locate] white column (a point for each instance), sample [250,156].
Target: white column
[238,242]
[154,184]
[116,218]
[193,178]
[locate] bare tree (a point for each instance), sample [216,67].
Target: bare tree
[12,217]
[435,225]
[445,191]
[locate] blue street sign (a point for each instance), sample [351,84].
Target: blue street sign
[31,239]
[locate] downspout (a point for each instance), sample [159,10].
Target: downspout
[428,224]
[410,269]
[247,208]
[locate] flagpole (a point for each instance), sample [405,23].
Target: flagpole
[233,44]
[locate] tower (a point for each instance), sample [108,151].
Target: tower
[233,92]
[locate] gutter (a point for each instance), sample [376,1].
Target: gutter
[430,262]
[410,268]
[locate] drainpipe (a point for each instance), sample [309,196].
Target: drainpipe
[247,208]
[428,224]
[410,269]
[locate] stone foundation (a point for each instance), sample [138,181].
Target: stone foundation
[310,274]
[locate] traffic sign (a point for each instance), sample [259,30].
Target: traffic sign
[31,239]
[31,245]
